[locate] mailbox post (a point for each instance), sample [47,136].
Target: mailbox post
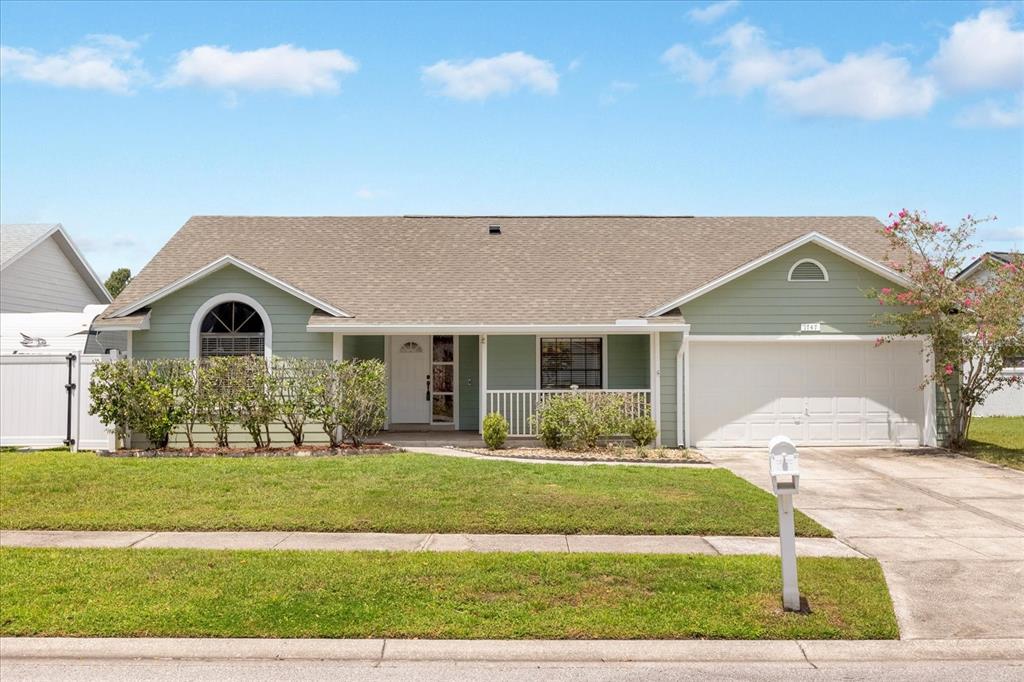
[784,467]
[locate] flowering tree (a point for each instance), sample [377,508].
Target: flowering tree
[973,324]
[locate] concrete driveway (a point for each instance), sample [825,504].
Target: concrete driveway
[948,531]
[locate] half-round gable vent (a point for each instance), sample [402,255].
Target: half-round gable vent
[808,270]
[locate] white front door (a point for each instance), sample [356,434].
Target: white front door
[817,393]
[410,379]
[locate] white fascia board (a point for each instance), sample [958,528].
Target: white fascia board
[785,338]
[809,238]
[222,262]
[353,328]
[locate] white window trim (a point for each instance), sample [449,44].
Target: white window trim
[604,358]
[824,271]
[194,345]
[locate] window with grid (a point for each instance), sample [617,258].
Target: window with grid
[231,328]
[571,361]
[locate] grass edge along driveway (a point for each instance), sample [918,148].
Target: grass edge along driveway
[398,493]
[997,440]
[202,593]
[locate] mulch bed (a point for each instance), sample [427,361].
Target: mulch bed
[610,453]
[288,451]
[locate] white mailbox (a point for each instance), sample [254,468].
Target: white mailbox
[784,468]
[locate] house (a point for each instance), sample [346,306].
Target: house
[1009,400]
[42,271]
[730,330]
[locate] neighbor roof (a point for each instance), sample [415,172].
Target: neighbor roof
[1000,256]
[16,238]
[449,270]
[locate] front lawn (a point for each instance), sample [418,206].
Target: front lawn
[195,593]
[999,440]
[402,493]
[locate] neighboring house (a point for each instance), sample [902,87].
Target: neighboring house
[1007,401]
[49,295]
[733,330]
[41,271]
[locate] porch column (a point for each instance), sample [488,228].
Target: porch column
[483,381]
[656,385]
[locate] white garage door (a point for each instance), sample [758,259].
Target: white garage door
[817,393]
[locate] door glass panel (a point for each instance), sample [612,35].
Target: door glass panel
[444,408]
[444,348]
[444,376]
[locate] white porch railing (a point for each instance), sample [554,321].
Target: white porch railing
[519,406]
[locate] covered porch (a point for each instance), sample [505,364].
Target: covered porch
[440,380]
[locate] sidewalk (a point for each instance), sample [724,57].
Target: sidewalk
[810,652]
[430,542]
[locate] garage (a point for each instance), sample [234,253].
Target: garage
[816,392]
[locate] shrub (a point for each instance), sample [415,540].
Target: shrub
[112,397]
[162,388]
[255,398]
[293,382]
[642,430]
[219,379]
[495,430]
[364,399]
[578,420]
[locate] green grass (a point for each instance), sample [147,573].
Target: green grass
[999,440]
[195,593]
[391,493]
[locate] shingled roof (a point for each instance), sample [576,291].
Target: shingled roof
[451,270]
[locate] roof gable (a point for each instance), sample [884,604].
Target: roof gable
[811,238]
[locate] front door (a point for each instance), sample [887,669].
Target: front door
[410,379]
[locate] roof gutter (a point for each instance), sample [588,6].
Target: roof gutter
[619,327]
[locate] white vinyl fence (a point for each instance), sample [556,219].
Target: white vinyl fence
[34,402]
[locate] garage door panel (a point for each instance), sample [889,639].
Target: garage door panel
[815,393]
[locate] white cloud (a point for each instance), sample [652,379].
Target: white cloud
[684,61]
[574,65]
[712,12]
[615,90]
[285,67]
[990,114]
[480,78]
[752,62]
[871,86]
[99,62]
[982,53]
[367,194]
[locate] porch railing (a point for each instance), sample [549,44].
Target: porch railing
[519,406]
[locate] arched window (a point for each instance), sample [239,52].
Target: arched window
[808,270]
[231,328]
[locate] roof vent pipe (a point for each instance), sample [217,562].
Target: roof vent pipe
[494,229]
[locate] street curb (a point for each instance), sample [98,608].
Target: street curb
[521,651]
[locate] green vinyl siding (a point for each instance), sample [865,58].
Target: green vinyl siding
[629,361]
[363,348]
[669,343]
[469,383]
[763,301]
[171,318]
[511,362]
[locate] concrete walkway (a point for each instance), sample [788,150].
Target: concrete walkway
[429,542]
[948,530]
[468,454]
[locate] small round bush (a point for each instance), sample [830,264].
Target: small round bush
[495,430]
[643,431]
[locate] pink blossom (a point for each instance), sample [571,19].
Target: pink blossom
[886,291]
[948,368]
[879,341]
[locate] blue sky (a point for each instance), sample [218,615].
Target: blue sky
[122,120]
